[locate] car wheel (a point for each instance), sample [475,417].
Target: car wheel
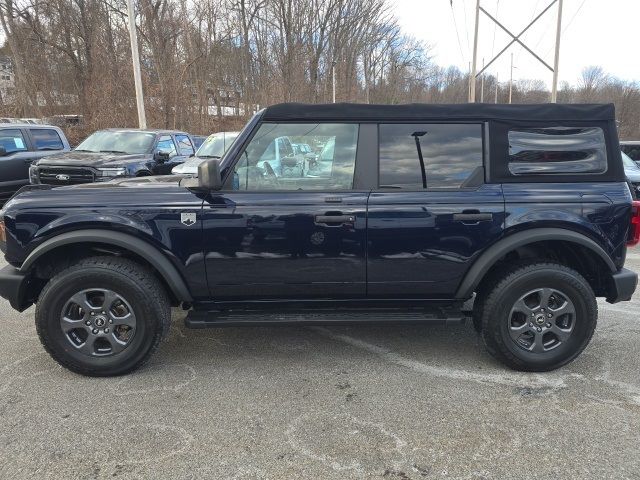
[103,316]
[538,317]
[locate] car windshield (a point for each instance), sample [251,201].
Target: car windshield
[215,145]
[628,163]
[117,142]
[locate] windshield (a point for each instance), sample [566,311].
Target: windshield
[215,145]
[117,142]
[628,163]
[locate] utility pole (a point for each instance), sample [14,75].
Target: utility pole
[511,79]
[495,100]
[482,84]
[556,59]
[472,89]
[515,38]
[333,76]
[135,56]
[469,86]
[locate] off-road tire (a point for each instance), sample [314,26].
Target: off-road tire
[143,291]
[505,289]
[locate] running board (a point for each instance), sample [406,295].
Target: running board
[256,318]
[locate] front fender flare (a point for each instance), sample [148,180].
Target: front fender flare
[144,249]
[499,249]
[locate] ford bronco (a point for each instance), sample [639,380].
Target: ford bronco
[410,213]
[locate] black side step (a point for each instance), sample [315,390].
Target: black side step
[255,318]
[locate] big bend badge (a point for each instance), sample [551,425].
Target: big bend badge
[188,218]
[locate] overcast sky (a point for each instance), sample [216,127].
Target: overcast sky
[595,32]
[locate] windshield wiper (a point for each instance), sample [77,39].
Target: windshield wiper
[114,151]
[208,156]
[82,150]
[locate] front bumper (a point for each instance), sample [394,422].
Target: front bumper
[14,287]
[624,284]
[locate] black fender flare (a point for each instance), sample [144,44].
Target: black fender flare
[474,275]
[150,253]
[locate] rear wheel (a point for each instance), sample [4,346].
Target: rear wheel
[538,317]
[103,316]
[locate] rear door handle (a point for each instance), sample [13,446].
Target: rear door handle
[472,217]
[334,220]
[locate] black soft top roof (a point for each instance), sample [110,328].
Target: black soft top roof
[423,111]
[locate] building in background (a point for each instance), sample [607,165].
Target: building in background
[7,80]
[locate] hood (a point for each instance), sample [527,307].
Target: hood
[99,202]
[156,181]
[190,166]
[90,159]
[633,176]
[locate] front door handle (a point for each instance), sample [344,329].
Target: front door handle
[335,220]
[472,217]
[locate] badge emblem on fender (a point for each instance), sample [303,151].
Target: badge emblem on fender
[188,218]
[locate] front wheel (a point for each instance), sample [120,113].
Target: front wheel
[538,317]
[103,316]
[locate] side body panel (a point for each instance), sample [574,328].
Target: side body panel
[600,211]
[419,247]
[275,245]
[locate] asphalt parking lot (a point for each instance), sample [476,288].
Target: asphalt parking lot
[324,403]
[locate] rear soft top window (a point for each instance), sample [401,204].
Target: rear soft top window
[557,150]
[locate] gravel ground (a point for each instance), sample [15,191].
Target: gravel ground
[400,402]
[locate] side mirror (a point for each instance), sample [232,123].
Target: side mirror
[161,157]
[209,177]
[3,151]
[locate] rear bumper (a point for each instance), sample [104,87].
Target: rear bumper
[13,287]
[624,284]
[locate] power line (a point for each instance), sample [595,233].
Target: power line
[493,44]
[575,14]
[455,24]
[466,25]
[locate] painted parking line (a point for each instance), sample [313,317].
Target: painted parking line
[508,378]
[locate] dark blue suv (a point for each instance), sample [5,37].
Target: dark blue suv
[404,213]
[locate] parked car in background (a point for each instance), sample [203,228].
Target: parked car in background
[302,148]
[213,147]
[198,140]
[632,149]
[112,153]
[20,145]
[278,159]
[632,171]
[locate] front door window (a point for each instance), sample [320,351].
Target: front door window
[270,163]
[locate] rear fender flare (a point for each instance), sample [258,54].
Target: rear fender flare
[481,266]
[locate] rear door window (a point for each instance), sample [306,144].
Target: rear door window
[166,145]
[184,144]
[12,140]
[557,150]
[429,156]
[46,139]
